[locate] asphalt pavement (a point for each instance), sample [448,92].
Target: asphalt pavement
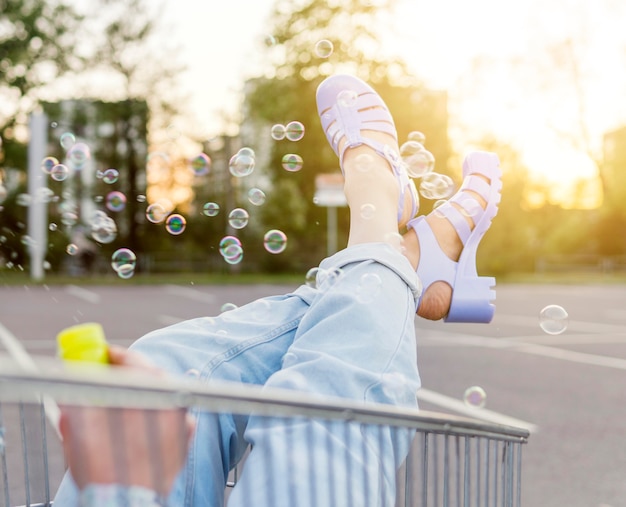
[568,389]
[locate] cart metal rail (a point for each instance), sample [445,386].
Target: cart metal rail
[452,461]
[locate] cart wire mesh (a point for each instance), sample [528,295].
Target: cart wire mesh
[448,461]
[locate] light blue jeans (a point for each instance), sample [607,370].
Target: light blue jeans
[351,336]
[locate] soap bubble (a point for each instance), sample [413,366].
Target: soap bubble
[475,396]
[329,277]
[470,207]
[256,196]
[369,287]
[418,160]
[417,136]
[103,229]
[211,209]
[368,211]
[44,194]
[78,155]
[156,213]
[110,176]
[269,40]
[310,278]
[52,227]
[48,163]
[123,259]
[67,140]
[347,98]
[553,319]
[23,199]
[238,218]
[292,162]
[200,164]
[175,224]
[364,162]
[278,132]
[275,241]
[241,164]
[233,253]
[324,48]
[60,172]
[71,249]
[226,241]
[247,151]
[115,201]
[227,307]
[436,186]
[294,131]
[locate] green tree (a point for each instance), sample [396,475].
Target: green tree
[286,92]
[37,45]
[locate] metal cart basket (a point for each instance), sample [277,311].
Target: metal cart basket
[451,461]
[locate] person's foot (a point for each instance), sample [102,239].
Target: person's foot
[453,233]
[361,131]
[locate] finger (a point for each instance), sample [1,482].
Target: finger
[121,356]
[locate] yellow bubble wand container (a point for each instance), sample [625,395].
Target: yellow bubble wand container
[83,343]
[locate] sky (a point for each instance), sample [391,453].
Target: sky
[493,56]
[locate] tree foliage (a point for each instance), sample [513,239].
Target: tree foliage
[286,92]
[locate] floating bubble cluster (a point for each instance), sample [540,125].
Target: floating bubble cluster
[242,163]
[48,163]
[231,250]
[78,155]
[103,228]
[123,262]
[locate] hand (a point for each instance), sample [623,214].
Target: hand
[140,447]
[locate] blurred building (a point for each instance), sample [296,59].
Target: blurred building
[104,144]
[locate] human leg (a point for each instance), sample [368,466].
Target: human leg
[244,345]
[350,344]
[442,246]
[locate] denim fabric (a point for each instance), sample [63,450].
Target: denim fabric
[352,336]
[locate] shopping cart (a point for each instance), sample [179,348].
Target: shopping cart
[450,461]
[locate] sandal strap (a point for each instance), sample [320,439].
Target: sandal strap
[456,218]
[478,185]
[431,256]
[368,113]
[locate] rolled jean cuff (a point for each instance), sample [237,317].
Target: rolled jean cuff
[382,253]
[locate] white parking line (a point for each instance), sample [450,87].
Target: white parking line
[438,337]
[193,294]
[460,407]
[84,294]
